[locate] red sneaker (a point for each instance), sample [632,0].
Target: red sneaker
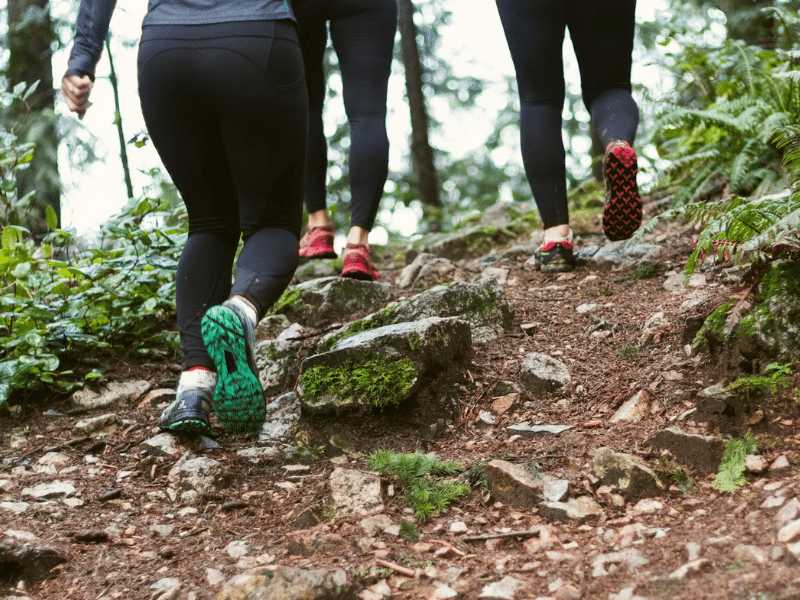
[317,243]
[622,215]
[358,263]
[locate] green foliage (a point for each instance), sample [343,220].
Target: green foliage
[409,531]
[731,470]
[647,270]
[416,475]
[627,351]
[58,299]
[732,139]
[776,376]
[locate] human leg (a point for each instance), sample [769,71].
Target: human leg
[249,133]
[535,35]
[602,33]
[363,34]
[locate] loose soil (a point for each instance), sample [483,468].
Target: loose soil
[607,366]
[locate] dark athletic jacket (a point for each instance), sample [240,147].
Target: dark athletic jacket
[94,16]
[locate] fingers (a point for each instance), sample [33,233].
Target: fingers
[76,92]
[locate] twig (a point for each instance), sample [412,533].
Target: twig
[448,546]
[395,567]
[529,533]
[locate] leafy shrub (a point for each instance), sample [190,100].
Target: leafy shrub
[731,469]
[58,299]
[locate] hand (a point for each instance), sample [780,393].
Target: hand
[76,90]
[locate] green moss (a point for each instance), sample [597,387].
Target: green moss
[288,298]
[380,381]
[414,341]
[714,326]
[379,319]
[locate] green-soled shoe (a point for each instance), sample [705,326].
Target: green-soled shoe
[188,413]
[238,398]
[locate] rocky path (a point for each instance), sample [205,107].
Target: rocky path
[589,428]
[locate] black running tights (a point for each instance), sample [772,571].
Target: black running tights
[602,36]
[362,32]
[226,108]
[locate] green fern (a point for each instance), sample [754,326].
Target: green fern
[731,469]
[416,475]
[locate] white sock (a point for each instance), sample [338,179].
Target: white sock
[567,238]
[197,378]
[246,307]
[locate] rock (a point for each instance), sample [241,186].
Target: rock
[322,301]
[675,283]
[505,589]
[482,304]
[789,532]
[755,463]
[384,366]
[536,430]
[648,506]
[258,455]
[283,414]
[278,364]
[470,242]
[540,374]
[106,423]
[289,583]
[513,485]
[625,472]
[28,561]
[691,569]
[578,509]
[629,558]
[701,452]
[47,491]
[653,328]
[634,409]
[272,326]
[199,478]
[542,543]
[505,404]
[789,512]
[355,492]
[113,393]
[428,270]
[780,467]
[623,253]
[374,525]
[585,308]
[753,554]
[236,549]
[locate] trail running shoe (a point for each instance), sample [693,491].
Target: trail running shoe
[622,215]
[317,243]
[557,256]
[230,338]
[188,413]
[358,263]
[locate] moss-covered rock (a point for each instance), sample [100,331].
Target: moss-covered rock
[321,301]
[770,332]
[385,366]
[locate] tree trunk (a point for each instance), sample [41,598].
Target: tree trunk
[30,35]
[746,21]
[421,150]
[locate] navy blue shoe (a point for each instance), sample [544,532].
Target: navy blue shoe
[188,413]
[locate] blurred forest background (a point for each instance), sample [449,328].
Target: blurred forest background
[718,84]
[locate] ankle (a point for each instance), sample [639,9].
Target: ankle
[247,308]
[197,378]
[558,233]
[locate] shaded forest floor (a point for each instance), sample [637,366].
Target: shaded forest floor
[267,506]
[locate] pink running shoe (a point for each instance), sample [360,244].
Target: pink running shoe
[622,215]
[317,243]
[358,263]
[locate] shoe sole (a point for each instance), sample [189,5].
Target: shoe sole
[358,274]
[622,215]
[238,398]
[189,427]
[319,255]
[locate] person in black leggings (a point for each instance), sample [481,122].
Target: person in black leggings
[362,32]
[602,35]
[224,100]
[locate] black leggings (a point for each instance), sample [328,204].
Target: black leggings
[226,108]
[602,36]
[362,32]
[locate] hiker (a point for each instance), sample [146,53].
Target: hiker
[223,96]
[602,36]
[362,32]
